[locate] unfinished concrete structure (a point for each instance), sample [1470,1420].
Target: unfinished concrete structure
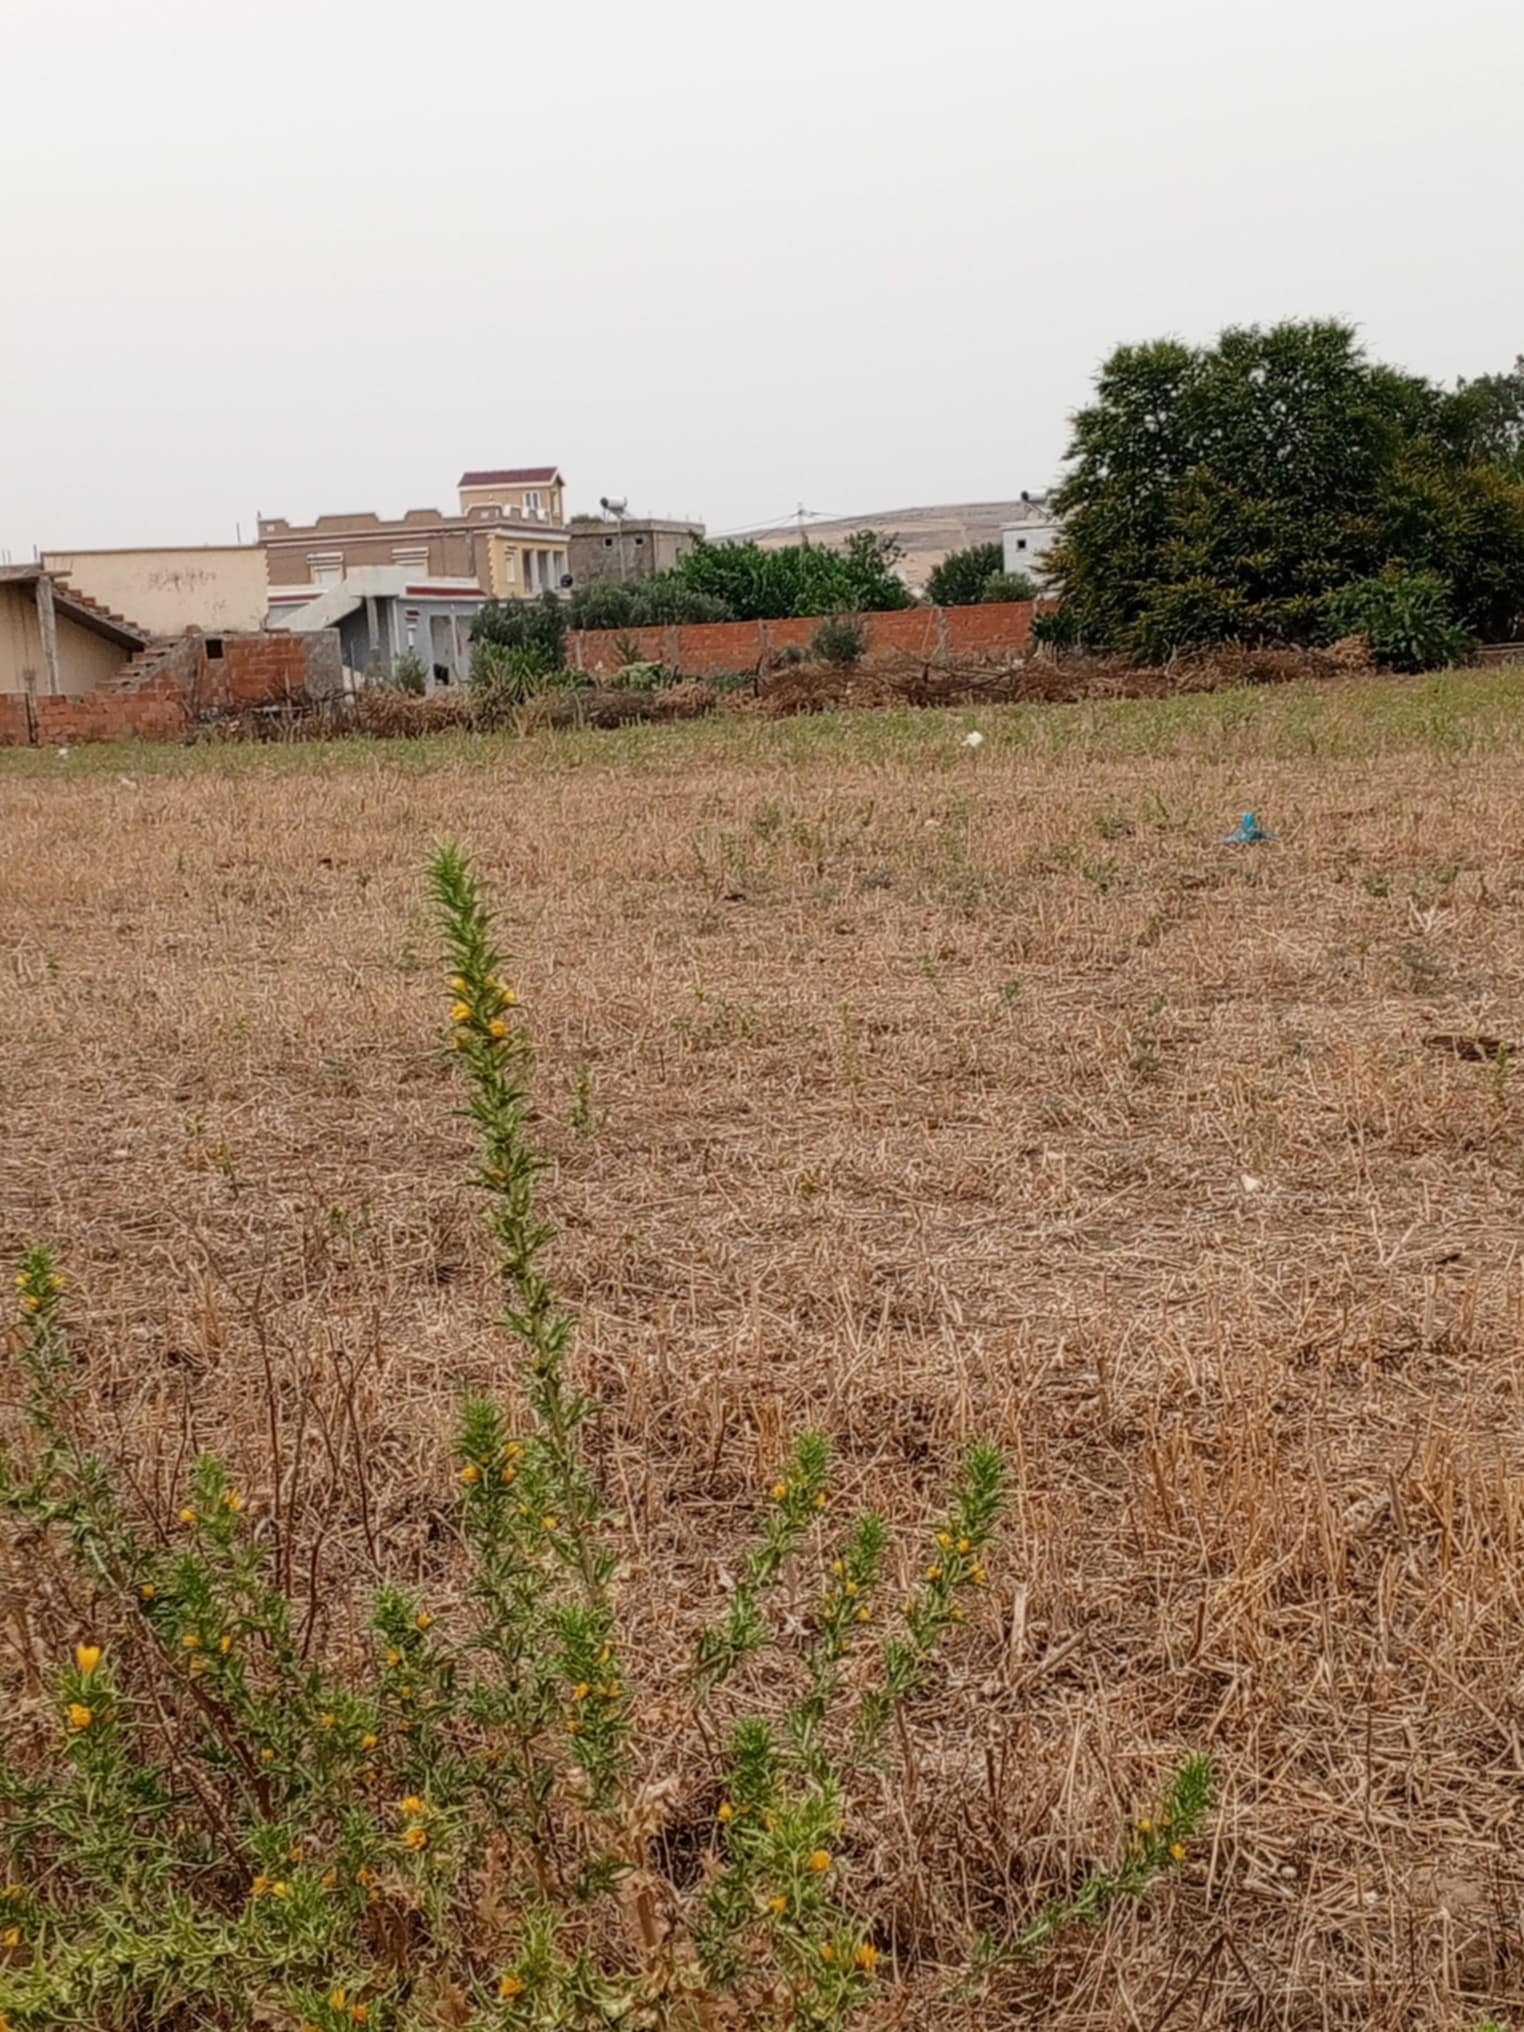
[56,642]
[617,548]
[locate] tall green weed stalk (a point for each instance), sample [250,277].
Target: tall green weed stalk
[202,1827]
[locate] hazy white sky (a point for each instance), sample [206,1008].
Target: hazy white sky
[722,256]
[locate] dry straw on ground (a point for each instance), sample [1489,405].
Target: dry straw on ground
[920,1092]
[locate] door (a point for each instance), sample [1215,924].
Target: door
[441,649]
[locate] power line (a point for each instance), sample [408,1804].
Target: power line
[792,515]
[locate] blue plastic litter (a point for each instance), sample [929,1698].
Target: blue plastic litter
[1250,833]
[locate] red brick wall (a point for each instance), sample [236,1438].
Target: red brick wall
[981,631]
[162,701]
[255,670]
[702,649]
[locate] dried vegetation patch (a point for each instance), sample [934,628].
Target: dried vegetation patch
[915,1094]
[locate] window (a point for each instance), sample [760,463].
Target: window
[325,566]
[639,541]
[1021,543]
[532,501]
[411,556]
[214,648]
[608,543]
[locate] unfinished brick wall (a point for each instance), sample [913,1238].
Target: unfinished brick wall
[255,670]
[166,689]
[706,648]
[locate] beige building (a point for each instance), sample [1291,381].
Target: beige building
[219,588]
[54,642]
[485,546]
[526,493]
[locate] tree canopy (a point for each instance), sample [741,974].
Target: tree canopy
[1230,491]
[959,580]
[744,582]
[1491,410]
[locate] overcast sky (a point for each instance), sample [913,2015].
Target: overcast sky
[721,256]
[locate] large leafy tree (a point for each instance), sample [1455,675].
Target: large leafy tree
[1230,491]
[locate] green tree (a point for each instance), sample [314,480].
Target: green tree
[1490,412]
[959,580]
[534,626]
[799,578]
[1228,491]
[870,559]
[643,603]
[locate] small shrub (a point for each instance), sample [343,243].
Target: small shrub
[1009,585]
[840,642]
[1406,617]
[410,675]
[503,679]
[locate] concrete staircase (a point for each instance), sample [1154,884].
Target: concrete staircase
[165,656]
[71,595]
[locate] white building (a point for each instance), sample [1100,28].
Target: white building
[383,613]
[1027,541]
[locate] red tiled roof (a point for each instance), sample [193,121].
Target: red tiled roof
[513,476]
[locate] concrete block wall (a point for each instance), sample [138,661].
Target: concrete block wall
[706,648]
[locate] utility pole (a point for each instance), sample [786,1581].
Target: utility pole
[803,532]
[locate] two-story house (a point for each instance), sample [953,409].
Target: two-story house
[508,538]
[411,584]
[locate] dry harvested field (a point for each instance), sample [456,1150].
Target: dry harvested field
[919,1092]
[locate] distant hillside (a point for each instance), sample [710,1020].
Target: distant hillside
[926,535]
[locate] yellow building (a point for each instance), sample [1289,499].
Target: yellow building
[526,493]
